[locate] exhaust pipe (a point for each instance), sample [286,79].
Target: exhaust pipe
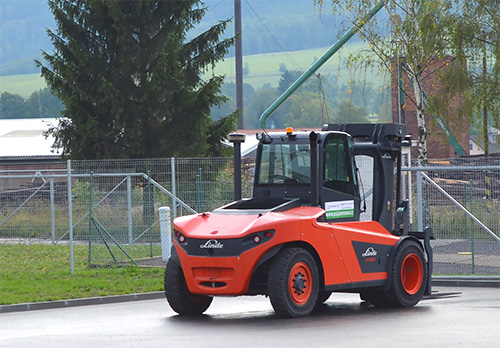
[237,139]
[313,141]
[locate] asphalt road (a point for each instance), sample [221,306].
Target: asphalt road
[453,317]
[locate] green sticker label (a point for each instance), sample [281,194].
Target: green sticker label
[339,209]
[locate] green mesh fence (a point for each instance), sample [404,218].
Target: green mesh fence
[115,205]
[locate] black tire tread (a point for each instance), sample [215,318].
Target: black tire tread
[397,296]
[177,294]
[278,283]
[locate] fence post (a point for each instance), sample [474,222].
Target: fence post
[472,225]
[52,212]
[91,203]
[466,224]
[487,181]
[174,199]
[150,214]
[165,232]
[129,208]
[70,218]
[410,185]
[199,190]
[420,219]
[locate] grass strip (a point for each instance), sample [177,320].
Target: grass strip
[36,273]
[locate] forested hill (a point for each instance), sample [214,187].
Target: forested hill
[268,26]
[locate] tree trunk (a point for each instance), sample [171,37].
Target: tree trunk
[422,129]
[422,145]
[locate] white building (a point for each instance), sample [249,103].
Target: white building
[25,139]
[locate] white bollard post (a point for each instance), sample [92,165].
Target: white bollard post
[165,232]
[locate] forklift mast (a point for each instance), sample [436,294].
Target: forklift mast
[383,143]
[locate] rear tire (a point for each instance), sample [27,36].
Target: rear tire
[293,283]
[409,275]
[178,296]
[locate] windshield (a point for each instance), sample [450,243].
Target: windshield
[285,163]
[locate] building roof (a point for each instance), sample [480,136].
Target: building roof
[493,147]
[24,138]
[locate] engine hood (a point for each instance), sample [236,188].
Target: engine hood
[239,224]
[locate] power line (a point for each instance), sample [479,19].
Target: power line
[287,54]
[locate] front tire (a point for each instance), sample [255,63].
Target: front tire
[178,296]
[293,283]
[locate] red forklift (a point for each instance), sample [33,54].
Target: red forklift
[300,238]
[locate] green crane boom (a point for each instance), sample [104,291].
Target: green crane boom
[322,60]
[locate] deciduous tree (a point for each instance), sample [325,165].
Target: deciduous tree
[348,112]
[11,106]
[476,74]
[417,30]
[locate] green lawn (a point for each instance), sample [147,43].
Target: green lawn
[264,68]
[35,273]
[23,85]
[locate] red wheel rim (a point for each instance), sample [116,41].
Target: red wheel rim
[300,283]
[412,274]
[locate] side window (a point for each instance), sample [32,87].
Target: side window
[338,170]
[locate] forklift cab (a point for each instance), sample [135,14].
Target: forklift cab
[293,166]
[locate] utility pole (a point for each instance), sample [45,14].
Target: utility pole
[238,61]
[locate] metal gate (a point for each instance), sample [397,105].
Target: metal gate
[462,205]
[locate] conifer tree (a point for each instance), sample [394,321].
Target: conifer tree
[131,79]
